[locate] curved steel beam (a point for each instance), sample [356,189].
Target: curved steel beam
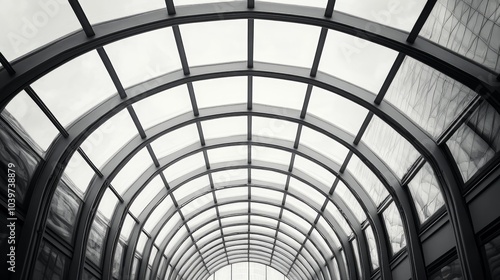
[59,153]
[34,65]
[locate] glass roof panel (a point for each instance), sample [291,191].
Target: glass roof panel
[321,243]
[302,208]
[173,244]
[215,41]
[328,232]
[398,14]
[95,241]
[107,205]
[285,43]
[390,146]
[285,238]
[314,170]
[128,224]
[426,193]
[351,202]
[190,189]
[224,127]
[427,96]
[146,195]
[269,176]
[175,140]
[28,25]
[144,56]
[108,10]
[109,138]
[184,166]
[295,226]
[367,179]
[278,92]
[266,154]
[75,87]
[242,219]
[167,228]
[238,207]
[273,128]
[394,227]
[331,211]
[323,144]
[131,171]
[152,256]
[225,177]
[220,91]
[163,106]
[311,3]
[355,249]
[30,120]
[163,208]
[262,194]
[235,229]
[263,221]
[228,154]
[355,60]
[302,189]
[78,174]
[264,209]
[372,247]
[336,110]
[469,28]
[205,230]
[196,204]
[226,194]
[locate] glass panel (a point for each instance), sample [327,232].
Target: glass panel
[220,91]
[109,138]
[27,117]
[332,212]
[336,110]
[451,271]
[398,14]
[328,232]
[223,273]
[322,244]
[285,43]
[191,188]
[394,227]
[201,202]
[357,61]
[141,243]
[201,218]
[183,167]
[78,174]
[263,221]
[127,227]
[108,10]
[476,141]
[146,195]
[159,212]
[167,228]
[163,106]
[230,194]
[311,3]
[238,207]
[492,249]
[144,56]
[74,88]
[272,155]
[154,251]
[278,92]
[372,247]
[274,274]
[215,42]
[28,25]
[273,128]
[175,140]
[132,170]
[300,229]
[223,127]
[207,229]
[349,200]
[49,256]
[271,196]
[314,170]
[63,211]
[426,193]
[303,190]
[427,96]
[256,272]
[323,144]
[304,210]
[223,178]
[264,209]
[117,260]
[390,146]
[354,245]
[228,154]
[336,272]
[469,28]
[107,205]
[269,176]
[367,179]
[95,242]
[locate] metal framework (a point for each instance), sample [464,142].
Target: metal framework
[18,75]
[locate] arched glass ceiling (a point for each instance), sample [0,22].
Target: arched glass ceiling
[245,131]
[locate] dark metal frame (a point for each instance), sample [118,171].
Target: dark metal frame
[33,66]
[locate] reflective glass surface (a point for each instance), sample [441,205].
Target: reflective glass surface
[78,174]
[131,171]
[394,227]
[63,211]
[95,242]
[146,195]
[368,180]
[372,247]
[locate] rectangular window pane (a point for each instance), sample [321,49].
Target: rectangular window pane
[372,247]
[132,170]
[220,91]
[279,93]
[95,242]
[394,227]
[63,211]
[146,195]
[368,180]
